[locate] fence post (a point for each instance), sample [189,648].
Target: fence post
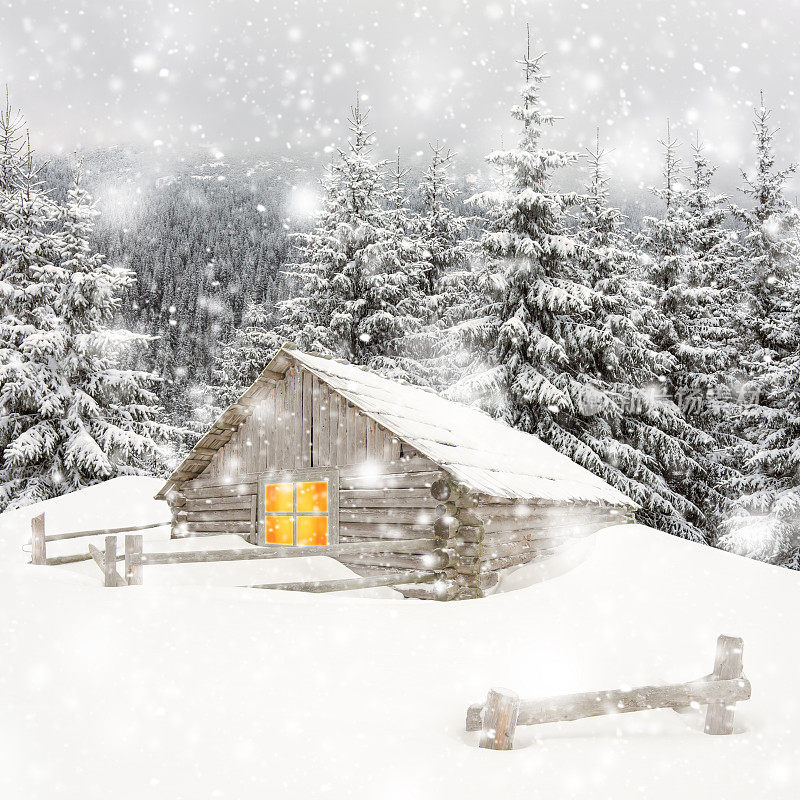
[133,560]
[110,561]
[499,720]
[38,545]
[727,665]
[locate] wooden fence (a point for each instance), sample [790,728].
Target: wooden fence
[498,717]
[135,559]
[39,540]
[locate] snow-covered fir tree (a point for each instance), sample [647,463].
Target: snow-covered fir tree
[670,268]
[245,355]
[448,283]
[395,299]
[711,293]
[765,522]
[69,416]
[326,313]
[12,142]
[568,361]
[711,271]
[766,518]
[675,265]
[442,230]
[30,339]
[357,275]
[528,260]
[770,252]
[632,370]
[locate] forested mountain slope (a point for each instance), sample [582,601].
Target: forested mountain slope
[203,239]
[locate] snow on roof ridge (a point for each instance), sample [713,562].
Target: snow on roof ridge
[402,381]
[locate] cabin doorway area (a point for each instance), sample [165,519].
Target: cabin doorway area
[298,508]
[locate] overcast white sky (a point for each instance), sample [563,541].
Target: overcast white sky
[278,77]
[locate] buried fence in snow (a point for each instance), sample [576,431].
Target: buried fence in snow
[39,540]
[498,717]
[433,560]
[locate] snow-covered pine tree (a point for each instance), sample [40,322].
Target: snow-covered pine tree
[528,260]
[395,309]
[448,284]
[687,306]
[770,250]
[667,259]
[357,273]
[31,340]
[712,288]
[568,361]
[690,254]
[12,138]
[243,357]
[642,433]
[664,236]
[711,271]
[12,142]
[113,423]
[442,230]
[766,519]
[765,523]
[70,417]
[327,311]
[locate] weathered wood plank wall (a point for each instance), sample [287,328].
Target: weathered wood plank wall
[301,423]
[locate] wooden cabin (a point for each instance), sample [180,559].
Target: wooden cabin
[319,452]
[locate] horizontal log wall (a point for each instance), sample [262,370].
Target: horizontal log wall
[384,502]
[498,535]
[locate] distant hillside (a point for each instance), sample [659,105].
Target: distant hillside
[202,237]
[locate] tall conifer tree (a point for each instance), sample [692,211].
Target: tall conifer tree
[357,275]
[69,416]
[568,361]
[766,518]
[448,283]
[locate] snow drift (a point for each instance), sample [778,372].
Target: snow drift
[171,690]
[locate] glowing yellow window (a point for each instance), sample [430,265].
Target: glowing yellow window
[300,509]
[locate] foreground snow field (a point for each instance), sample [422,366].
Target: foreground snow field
[187,687]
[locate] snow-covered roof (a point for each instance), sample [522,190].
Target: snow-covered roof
[485,454]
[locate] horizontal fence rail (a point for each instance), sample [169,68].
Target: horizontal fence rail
[57,537]
[720,691]
[39,540]
[259,553]
[421,552]
[345,584]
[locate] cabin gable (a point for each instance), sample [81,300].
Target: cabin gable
[302,423]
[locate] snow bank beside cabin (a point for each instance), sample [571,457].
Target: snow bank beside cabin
[217,692]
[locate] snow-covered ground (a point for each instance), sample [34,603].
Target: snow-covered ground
[188,687]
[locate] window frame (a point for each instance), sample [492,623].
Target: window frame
[295,476]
